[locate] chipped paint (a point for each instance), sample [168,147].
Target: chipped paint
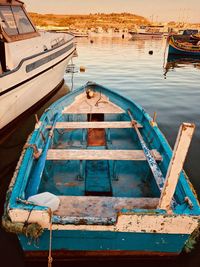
[175,224]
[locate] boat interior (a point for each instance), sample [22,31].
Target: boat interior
[95,163]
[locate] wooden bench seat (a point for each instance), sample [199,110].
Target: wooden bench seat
[87,154]
[97,125]
[98,210]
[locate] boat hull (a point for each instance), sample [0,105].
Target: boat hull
[175,50]
[145,35]
[18,98]
[94,243]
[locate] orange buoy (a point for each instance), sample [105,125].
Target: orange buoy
[82,69]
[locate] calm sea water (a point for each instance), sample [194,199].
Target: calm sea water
[126,66]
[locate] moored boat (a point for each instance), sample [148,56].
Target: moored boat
[187,48]
[97,177]
[79,34]
[152,31]
[28,59]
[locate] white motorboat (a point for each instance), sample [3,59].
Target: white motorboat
[32,63]
[148,31]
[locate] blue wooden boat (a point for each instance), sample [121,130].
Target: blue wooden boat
[97,177]
[179,47]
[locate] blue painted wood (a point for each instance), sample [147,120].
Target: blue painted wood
[174,49]
[106,240]
[36,177]
[97,178]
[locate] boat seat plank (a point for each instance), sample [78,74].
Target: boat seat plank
[85,154]
[93,111]
[98,209]
[97,125]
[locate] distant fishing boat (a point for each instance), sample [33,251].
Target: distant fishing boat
[189,32]
[148,31]
[186,35]
[178,47]
[79,34]
[74,33]
[97,178]
[28,60]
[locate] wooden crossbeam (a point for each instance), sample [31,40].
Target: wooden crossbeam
[86,154]
[99,125]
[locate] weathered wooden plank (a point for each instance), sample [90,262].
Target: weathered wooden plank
[99,103]
[93,111]
[101,207]
[176,164]
[85,154]
[97,125]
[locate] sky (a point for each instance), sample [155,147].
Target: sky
[155,10]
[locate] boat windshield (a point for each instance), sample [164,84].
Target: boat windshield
[14,20]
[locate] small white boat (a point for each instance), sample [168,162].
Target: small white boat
[28,60]
[148,31]
[80,34]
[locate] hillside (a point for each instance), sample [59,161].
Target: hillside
[113,20]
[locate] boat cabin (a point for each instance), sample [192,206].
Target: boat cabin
[15,22]
[15,25]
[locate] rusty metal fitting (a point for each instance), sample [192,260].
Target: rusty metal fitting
[36,152]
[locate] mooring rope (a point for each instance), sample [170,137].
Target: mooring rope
[50,259]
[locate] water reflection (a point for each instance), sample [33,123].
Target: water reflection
[174,62]
[139,43]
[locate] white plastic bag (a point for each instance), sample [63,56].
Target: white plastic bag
[45,199]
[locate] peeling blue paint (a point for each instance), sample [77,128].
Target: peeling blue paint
[116,241]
